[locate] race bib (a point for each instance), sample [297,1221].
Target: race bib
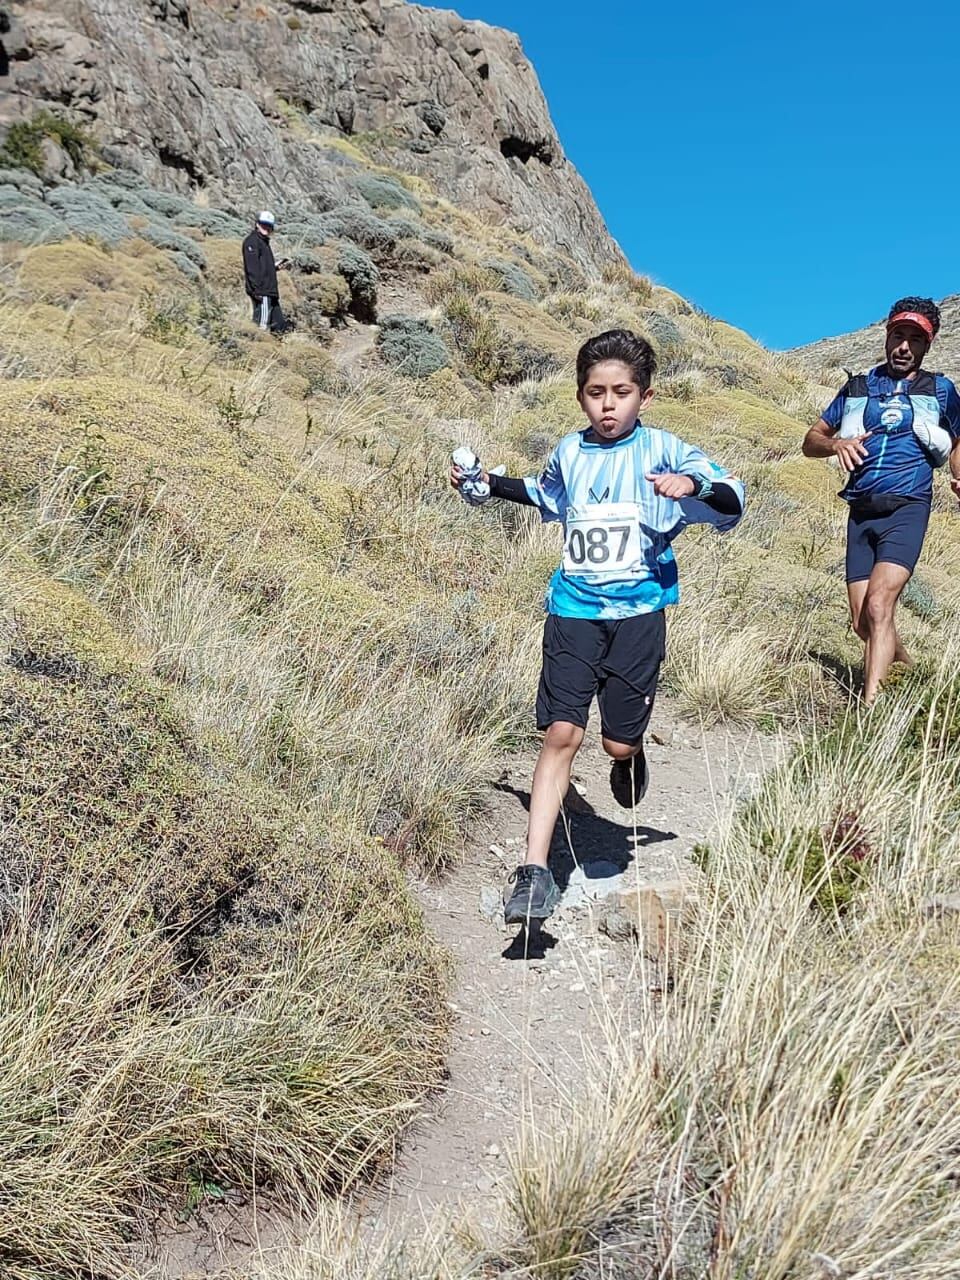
[603,540]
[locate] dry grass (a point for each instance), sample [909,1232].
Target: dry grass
[788,1106]
[238,602]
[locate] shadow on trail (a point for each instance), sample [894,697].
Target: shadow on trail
[844,674]
[594,841]
[531,943]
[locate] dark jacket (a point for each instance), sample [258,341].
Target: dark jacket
[259,268]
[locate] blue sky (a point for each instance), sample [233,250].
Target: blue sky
[791,168]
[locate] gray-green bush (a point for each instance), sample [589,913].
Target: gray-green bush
[88,214]
[513,279]
[353,222]
[361,274]
[385,193]
[163,236]
[31,223]
[411,346]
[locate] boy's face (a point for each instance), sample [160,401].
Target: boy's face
[611,399]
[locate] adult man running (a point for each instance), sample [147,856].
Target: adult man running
[888,430]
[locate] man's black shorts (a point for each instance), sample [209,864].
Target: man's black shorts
[617,659]
[895,537]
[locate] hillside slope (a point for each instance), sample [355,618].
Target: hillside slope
[864,347]
[260,668]
[244,100]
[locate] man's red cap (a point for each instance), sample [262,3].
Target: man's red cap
[913,317]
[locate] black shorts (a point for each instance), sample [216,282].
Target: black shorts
[896,538]
[618,660]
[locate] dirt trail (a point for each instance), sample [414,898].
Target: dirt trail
[524,1014]
[528,1015]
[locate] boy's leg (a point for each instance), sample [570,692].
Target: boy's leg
[572,648]
[627,694]
[551,778]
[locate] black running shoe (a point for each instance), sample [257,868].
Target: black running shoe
[535,894]
[629,779]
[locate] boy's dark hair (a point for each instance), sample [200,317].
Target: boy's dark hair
[622,345]
[923,307]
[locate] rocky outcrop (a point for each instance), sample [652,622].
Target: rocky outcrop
[859,350]
[245,98]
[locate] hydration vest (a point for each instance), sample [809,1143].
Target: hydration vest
[866,408]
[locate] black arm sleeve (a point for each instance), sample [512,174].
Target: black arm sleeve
[512,488]
[723,499]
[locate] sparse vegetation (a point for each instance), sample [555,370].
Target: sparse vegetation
[22,147]
[411,346]
[225,644]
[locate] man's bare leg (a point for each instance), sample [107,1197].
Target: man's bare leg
[856,594]
[551,778]
[879,606]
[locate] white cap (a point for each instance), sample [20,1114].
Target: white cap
[266,217]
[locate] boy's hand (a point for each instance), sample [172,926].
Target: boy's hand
[457,477]
[850,453]
[955,486]
[668,485]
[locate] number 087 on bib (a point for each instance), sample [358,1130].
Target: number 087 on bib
[603,540]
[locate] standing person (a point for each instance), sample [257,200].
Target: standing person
[260,275]
[623,491]
[888,430]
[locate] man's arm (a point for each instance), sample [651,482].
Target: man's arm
[955,468]
[822,441]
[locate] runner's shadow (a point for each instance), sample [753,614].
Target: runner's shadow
[845,674]
[530,944]
[583,837]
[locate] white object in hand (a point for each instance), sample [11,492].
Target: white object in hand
[473,490]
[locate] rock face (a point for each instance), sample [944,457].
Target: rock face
[247,98]
[864,348]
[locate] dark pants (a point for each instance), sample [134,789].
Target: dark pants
[267,314]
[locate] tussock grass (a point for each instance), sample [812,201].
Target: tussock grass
[786,1105]
[257,662]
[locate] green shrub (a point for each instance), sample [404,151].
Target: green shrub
[323,296]
[23,149]
[305,261]
[512,279]
[385,193]
[361,226]
[212,222]
[307,230]
[411,346]
[89,215]
[920,598]
[122,198]
[361,274]
[22,180]
[166,318]
[665,335]
[165,202]
[436,239]
[31,223]
[163,236]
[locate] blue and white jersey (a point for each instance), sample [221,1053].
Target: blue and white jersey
[898,414]
[617,560]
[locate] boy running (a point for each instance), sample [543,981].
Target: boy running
[888,430]
[623,491]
